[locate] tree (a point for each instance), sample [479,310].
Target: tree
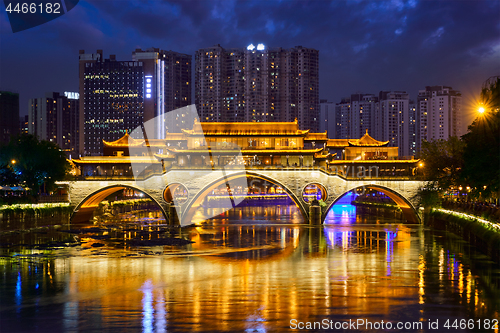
[34,162]
[482,146]
[7,175]
[443,162]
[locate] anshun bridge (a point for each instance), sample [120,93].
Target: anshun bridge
[195,162]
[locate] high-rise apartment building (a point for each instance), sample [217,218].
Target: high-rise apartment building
[343,119]
[385,117]
[356,115]
[23,124]
[55,118]
[394,120]
[327,121]
[118,96]
[438,114]
[258,84]
[9,115]
[412,127]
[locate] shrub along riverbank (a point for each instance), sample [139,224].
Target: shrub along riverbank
[22,211]
[482,234]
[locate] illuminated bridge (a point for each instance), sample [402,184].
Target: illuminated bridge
[193,164]
[85,195]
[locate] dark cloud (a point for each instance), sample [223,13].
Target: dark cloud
[364,45]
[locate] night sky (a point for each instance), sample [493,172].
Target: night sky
[365,46]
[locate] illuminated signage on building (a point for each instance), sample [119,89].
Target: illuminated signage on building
[72,95]
[260,47]
[149,84]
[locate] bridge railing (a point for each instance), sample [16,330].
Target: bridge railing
[348,174]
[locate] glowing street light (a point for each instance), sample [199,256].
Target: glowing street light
[480,110]
[13,161]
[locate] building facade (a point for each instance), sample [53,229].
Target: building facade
[246,145]
[118,96]
[9,115]
[438,113]
[258,84]
[55,118]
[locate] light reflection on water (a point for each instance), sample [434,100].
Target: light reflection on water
[250,278]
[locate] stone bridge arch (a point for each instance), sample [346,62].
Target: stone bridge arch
[409,211]
[84,210]
[192,205]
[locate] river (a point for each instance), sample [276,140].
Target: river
[253,269]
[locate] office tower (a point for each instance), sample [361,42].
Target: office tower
[258,84]
[394,120]
[55,118]
[9,115]
[118,96]
[327,121]
[438,114]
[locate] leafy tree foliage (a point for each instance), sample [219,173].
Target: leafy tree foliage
[482,146]
[7,175]
[443,162]
[35,162]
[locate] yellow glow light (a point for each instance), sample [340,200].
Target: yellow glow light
[480,109]
[13,161]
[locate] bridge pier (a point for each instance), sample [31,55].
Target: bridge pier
[315,214]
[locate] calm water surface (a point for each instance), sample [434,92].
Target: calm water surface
[253,269]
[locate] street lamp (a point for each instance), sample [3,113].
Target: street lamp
[13,161]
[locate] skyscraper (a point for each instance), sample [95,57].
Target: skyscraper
[9,115]
[438,113]
[118,96]
[258,84]
[55,118]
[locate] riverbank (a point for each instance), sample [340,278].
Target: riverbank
[29,216]
[479,233]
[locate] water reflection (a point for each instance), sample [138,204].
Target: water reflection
[241,277]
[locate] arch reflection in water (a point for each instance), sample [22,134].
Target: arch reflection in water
[246,242]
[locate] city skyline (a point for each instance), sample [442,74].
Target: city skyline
[361,48]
